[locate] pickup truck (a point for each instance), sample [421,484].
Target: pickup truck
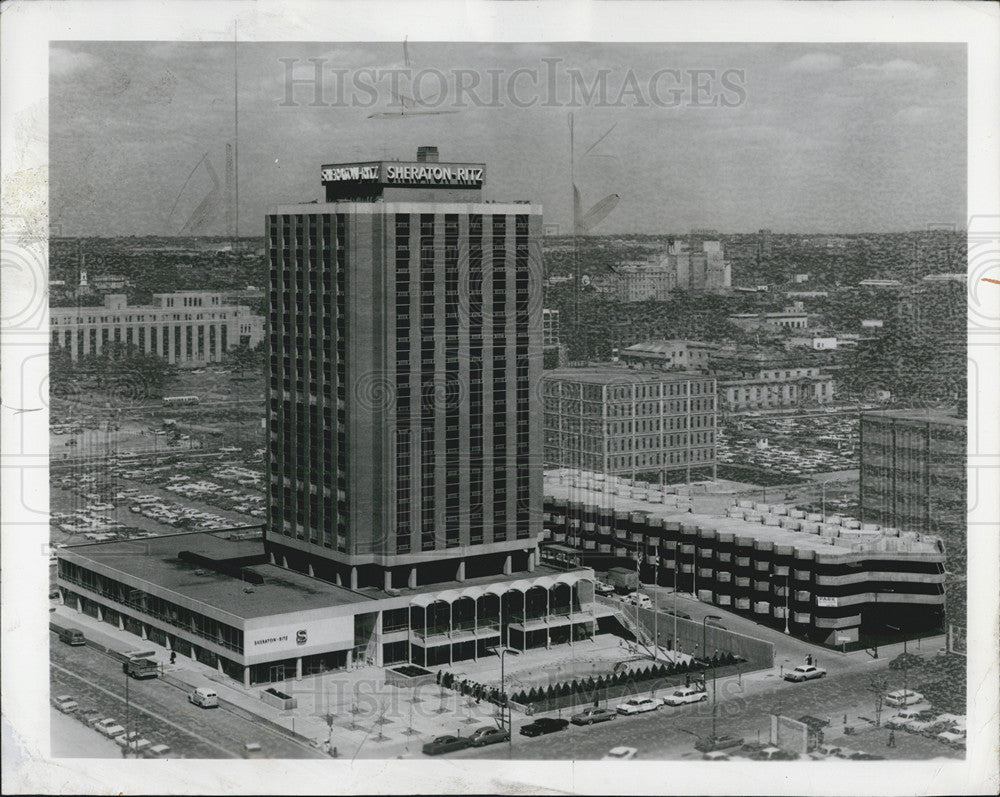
[141,668]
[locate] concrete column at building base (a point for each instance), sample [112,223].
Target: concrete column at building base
[144,633]
[354,578]
[79,606]
[460,575]
[100,614]
[121,623]
[284,562]
[298,669]
[167,644]
[311,573]
[338,580]
[350,659]
[387,579]
[246,677]
[218,666]
[506,566]
[271,554]
[531,561]
[411,582]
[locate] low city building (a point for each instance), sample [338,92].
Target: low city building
[789,387]
[225,604]
[831,582]
[188,328]
[669,354]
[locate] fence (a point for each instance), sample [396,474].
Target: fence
[757,653]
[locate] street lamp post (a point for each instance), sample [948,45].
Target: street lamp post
[900,630]
[677,552]
[504,703]
[875,655]
[694,571]
[704,623]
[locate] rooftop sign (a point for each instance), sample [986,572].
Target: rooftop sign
[395,173]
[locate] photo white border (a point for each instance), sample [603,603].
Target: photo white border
[27,30]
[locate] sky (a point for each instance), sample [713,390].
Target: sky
[797,138]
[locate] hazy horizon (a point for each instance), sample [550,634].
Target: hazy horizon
[820,139]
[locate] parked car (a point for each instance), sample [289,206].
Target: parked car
[620,754]
[804,672]
[952,722]
[639,705]
[903,697]
[591,715]
[91,716]
[898,721]
[601,588]
[543,725]
[710,744]
[775,754]
[924,722]
[952,738]
[157,751]
[682,615]
[109,727]
[863,756]
[716,755]
[640,599]
[828,749]
[133,740]
[65,703]
[489,734]
[686,694]
[446,744]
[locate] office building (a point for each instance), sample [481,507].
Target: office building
[622,421]
[913,470]
[186,328]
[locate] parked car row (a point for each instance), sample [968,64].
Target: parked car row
[109,727]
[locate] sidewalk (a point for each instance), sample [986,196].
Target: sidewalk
[370,718]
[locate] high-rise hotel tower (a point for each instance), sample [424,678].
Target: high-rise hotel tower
[405,336]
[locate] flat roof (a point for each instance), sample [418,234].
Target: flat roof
[604,375]
[775,534]
[945,416]
[154,559]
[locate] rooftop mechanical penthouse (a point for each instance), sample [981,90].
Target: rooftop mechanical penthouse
[403,340]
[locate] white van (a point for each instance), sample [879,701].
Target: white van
[205,697]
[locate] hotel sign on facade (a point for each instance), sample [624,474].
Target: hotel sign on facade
[468,175]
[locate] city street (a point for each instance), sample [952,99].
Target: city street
[670,733]
[161,712]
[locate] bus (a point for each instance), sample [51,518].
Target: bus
[175,400]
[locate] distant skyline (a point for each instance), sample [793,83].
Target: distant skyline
[802,138]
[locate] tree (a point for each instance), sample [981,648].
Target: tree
[878,686]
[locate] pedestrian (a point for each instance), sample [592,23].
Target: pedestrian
[173,657]
[892,739]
